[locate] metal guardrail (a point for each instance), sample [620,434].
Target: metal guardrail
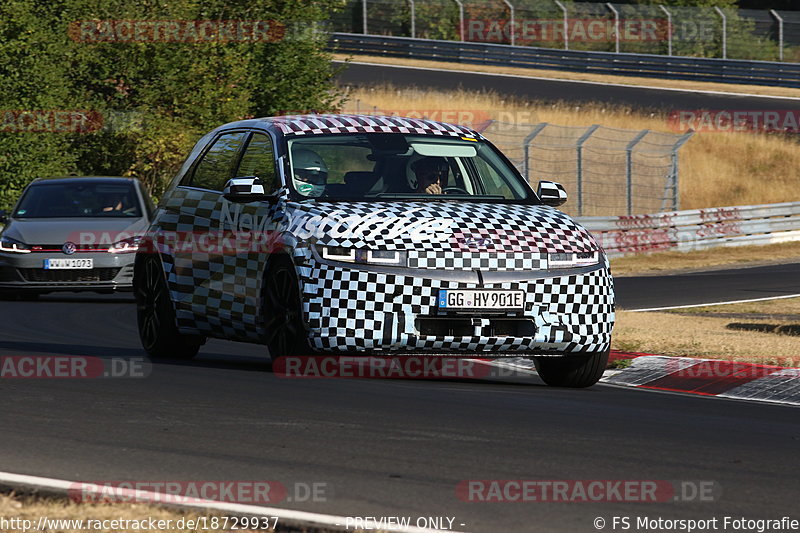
[641,65]
[696,229]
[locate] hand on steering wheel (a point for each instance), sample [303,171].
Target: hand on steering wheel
[448,190]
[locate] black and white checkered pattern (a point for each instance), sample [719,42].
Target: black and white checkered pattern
[353,308]
[550,190]
[492,261]
[510,227]
[243,187]
[332,124]
[350,310]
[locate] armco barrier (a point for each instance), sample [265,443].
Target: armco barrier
[696,229]
[642,65]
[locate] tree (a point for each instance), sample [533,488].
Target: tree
[157,91]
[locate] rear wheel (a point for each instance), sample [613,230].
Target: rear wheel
[158,331]
[286,333]
[576,371]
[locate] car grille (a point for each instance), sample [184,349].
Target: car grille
[40,275]
[465,327]
[491,261]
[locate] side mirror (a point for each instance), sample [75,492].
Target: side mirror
[551,193]
[245,190]
[3,217]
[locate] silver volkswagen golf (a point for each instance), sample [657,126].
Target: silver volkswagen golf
[73,234]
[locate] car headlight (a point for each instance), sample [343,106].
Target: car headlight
[366,257]
[7,244]
[572,259]
[126,246]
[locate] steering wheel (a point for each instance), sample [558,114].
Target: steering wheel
[448,190]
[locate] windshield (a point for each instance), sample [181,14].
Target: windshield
[394,166]
[79,199]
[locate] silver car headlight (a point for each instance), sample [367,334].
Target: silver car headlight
[573,259]
[364,257]
[126,246]
[7,244]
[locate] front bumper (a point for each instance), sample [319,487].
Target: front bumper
[25,272]
[363,309]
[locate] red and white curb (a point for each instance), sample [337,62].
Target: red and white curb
[704,377]
[710,377]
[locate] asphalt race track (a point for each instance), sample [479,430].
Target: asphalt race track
[390,447]
[555,90]
[645,292]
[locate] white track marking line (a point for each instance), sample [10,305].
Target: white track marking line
[157,498]
[585,82]
[712,303]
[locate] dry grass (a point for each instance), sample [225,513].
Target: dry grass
[32,509]
[660,262]
[705,332]
[717,169]
[580,76]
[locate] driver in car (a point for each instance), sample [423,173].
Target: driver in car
[431,174]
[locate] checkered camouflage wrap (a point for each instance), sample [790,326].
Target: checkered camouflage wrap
[244,186]
[354,307]
[343,124]
[552,190]
[361,310]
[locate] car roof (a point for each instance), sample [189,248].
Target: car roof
[79,179]
[331,124]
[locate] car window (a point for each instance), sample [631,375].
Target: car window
[216,167]
[259,160]
[380,166]
[83,198]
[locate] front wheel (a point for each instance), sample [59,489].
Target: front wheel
[574,371]
[158,331]
[286,332]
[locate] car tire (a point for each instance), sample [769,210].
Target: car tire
[155,315]
[574,371]
[286,333]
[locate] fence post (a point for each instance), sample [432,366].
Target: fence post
[616,24]
[676,202]
[579,150]
[526,148]
[460,5]
[566,24]
[724,32]
[364,15]
[629,167]
[413,19]
[780,32]
[669,28]
[513,29]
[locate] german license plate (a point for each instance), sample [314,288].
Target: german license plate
[481,299]
[68,264]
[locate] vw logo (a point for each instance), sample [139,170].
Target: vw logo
[69,248]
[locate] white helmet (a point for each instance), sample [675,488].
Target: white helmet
[309,172]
